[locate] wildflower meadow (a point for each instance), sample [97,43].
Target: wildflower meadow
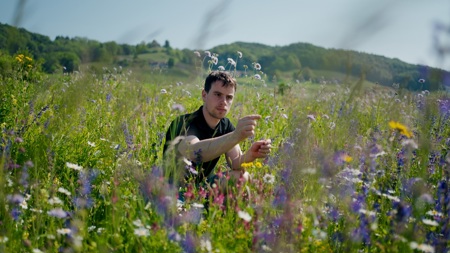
[355,167]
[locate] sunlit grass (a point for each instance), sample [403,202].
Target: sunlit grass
[81,159]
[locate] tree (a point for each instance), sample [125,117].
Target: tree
[167,44]
[170,63]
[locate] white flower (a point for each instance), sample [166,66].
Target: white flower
[64,191]
[63,231]
[54,201]
[207,53]
[245,216]
[284,116]
[74,166]
[266,248]
[411,143]
[206,245]
[240,54]
[221,68]
[257,66]
[37,251]
[430,222]
[163,91]
[92,144]
[435,213]
[3,239]
[197,205]
[24,204]
[138,223]
[394,198]
[257,76]
[269,178]
[215,60]
[197,53]
[232,62]
[141,232]
[422,247]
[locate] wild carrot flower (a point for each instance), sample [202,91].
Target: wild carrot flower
[239,54]
[197,53]
[221,68]
[257,77]
[401,128]
[257,66]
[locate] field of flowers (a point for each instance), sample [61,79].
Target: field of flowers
[354,168]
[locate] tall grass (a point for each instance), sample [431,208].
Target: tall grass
[81,168]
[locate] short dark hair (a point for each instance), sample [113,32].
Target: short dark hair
[223,76]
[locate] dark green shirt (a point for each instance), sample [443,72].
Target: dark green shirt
[195,124]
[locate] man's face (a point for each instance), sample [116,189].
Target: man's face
[218,100]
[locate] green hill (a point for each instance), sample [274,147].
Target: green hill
[298,62]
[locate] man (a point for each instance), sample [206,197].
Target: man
[200,138]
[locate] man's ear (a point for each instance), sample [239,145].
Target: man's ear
[204,94]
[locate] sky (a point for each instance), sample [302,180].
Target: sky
[403,29]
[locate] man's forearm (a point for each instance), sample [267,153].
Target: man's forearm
[242,158]
[206,150]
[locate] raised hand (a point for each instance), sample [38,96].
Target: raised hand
[246,126]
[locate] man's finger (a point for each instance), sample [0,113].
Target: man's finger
[252,116]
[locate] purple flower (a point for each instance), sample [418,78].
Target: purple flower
[58,213]
[15,198]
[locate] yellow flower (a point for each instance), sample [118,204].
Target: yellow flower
[401,128]
[347,158]
[258,164]
[246,165]
[29,58]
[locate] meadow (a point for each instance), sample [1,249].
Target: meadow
[354,167]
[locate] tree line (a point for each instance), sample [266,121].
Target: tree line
[302,60]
